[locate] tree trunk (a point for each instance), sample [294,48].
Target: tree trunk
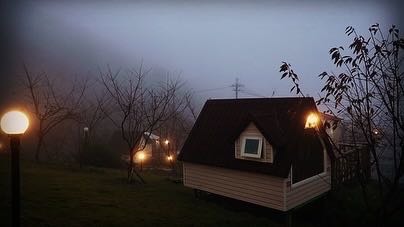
[132,170]
[139,176]
[130,167]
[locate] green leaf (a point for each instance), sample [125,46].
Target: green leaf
[283,75]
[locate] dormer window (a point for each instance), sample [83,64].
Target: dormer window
[251,146]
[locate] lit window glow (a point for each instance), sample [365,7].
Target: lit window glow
[312,121]
[14,123]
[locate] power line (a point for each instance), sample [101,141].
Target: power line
[237,87]
[254,94]
[211,89]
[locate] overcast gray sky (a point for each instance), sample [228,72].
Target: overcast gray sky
[209,42]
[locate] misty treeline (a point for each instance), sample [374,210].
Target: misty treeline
[102,119]
[366,90]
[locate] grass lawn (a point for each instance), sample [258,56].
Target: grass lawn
[61,196]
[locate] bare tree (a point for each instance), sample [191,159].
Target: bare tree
[90,112]
[50,105]
[369,92]
[191,107]
[176,130]
[136,109]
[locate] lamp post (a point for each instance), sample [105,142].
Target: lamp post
[14,124]
[141,158]
[86,131]
[84,147]
[169,157]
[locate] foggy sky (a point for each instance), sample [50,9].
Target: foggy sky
[209,43]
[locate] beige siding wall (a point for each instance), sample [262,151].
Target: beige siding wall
[308,189]
[255,188]
[252,130]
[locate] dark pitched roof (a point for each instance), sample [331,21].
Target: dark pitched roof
[280,120]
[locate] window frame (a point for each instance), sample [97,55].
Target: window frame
[317,176]
[260,147]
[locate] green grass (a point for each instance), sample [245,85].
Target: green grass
[60,196]
[55,195]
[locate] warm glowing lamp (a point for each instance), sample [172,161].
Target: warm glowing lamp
[141,156]
[169,158]
[166,142]
[15,123]
[312,121]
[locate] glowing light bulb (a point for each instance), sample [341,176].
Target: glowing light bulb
[312,121]
[14,122]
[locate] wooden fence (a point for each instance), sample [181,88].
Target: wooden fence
[351,161]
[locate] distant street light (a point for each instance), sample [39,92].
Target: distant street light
[15,123]
[86,132]
[170,158]
[84,148]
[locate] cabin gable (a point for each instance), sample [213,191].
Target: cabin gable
[251,132]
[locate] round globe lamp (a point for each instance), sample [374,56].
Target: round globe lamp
[14,123]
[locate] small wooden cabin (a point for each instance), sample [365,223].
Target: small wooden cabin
[263,151]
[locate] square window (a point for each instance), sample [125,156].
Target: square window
[251,147]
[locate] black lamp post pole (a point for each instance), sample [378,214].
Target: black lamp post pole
[15,179]
[141,164]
